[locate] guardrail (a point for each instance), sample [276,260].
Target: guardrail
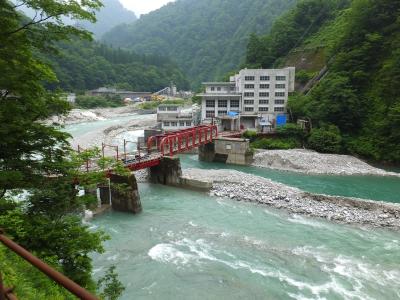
[74,288]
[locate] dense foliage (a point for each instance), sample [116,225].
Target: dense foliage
[206,37]
[290,30]
[84,65]
[86,101]
[34,157]
[359,93]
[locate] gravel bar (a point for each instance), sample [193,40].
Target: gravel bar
[311,162]
[250,188]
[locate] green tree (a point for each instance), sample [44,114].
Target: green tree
[325,140]
[34,156]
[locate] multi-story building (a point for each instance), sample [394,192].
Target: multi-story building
[172,117]
[252,99]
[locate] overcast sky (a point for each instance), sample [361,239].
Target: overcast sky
[143,6]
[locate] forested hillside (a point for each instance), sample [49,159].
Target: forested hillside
[357,99]
[83,65]
[206,37]
[110,15]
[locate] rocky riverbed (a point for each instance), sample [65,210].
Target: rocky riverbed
[311,162]
[76,116]
[245,187]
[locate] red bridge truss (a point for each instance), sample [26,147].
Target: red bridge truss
[167,144]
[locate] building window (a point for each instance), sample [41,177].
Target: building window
[279,101]
[264,86]
[263,108]
[188,123]
[234,103]
[213,88]
[173,108]
[280,86]
[249,86]
[279,109]
[264,78]
[174,124]
[166,124]
[280,78]
[210,114]
[219,89]
[181,123]
[264,101]
[232,88]
[280,94]
[210,103]
[222,103]
[248,94]
[222,113]
[249,109]
[249,78]
[264,94]
[248,101]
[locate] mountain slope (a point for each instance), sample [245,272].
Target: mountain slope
[109,16]
[83,65]
[359,45]
[207,38]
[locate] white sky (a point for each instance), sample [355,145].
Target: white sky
[143,6]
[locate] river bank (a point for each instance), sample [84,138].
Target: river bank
[245,187]
[311,162]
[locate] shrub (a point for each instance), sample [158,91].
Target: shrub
[84,101]
[325,140]
[250,134]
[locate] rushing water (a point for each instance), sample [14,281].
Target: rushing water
[187,245]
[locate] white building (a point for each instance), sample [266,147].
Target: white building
[173,117]
[252,99]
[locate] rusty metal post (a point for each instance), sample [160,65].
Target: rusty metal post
[125,149]
[56,276]
[102,149]
[2,289]
[117,152]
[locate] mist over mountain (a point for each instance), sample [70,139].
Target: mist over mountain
[109,16]
[207,38]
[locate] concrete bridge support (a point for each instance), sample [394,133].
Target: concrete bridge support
[227,150]
[124,194]
[168,172]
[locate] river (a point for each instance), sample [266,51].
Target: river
[188,245]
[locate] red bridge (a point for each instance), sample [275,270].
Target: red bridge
[167,144]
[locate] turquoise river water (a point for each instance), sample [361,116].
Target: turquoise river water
[188,245]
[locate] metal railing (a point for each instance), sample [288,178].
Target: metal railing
[6,293]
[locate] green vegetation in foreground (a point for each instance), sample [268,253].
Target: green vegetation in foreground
[36,158]
[207,38]
[85,101]
[360,41]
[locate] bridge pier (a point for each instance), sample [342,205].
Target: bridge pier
[168,172]
[227,150]
[124,194]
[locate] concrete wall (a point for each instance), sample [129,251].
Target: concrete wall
[227,150]
[124,194]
